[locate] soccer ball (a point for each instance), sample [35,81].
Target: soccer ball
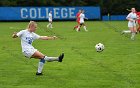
[99,47]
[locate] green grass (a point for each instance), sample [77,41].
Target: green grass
[118,66]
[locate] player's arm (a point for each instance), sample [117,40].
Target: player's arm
[47,38]
[14,35]
[129,19]
[86,18]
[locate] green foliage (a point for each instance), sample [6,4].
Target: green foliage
[116,67]
[114,7]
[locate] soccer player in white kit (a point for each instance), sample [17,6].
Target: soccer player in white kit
[27,36]
[132,18]
[50,20]
[82,17]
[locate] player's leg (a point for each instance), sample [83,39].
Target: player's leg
[138,29]
[84,26]
[132,27]
[49,24]
[125,32]
[133,32]
[39,55]
[75,27]
[44,58]
[79,26]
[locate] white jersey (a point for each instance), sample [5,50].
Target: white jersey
[82,16]
[132,16]
[27,38]
[50,17]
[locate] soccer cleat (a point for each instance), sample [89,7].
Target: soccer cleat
[38,73]
[61,57]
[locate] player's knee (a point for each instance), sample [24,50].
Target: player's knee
[42,60]
[41,57]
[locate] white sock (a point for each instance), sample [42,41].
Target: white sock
[85,28]
[40,65]
[49,25]
[133,35]
[127,31]
[50,59]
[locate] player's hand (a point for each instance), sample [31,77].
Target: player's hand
[86,18]
[14,35]
[131,20]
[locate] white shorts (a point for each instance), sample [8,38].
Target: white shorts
[81,22]
[29,52]
[50,20]
[131,24]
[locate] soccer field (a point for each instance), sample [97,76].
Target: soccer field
[118,66]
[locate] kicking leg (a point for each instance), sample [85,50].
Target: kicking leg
[44,58]
[49,24]
[126,31]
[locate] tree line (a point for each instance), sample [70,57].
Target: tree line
[113,7]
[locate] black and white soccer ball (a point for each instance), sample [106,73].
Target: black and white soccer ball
[99,47]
